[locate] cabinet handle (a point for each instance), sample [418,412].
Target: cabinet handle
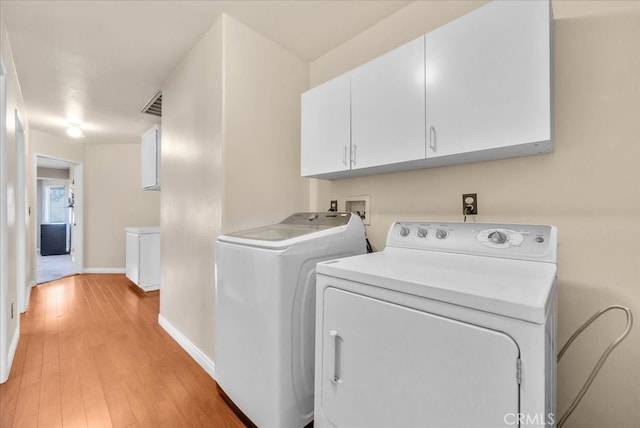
[344,156]
[353,154]
[433,144]
[336,357]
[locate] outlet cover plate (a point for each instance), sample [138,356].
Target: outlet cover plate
[469,204]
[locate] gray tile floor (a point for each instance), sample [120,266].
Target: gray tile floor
[51,268]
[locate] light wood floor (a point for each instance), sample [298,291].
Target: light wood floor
[91,354]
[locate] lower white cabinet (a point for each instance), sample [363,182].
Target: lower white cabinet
[143,257]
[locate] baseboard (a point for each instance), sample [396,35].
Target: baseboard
[104,270]
[11,352]
[26,304]
[188,346]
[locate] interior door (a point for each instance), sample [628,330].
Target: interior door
[387,365]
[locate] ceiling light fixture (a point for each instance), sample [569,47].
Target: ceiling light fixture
[74,131]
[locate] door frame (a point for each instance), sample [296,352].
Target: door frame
[5,358]
[23,283]
[77,224]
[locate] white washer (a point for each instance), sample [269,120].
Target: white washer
[265,312]
[452,325]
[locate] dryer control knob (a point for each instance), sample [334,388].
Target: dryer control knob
[404,231]
[441,233]
[498,237]
[422,232]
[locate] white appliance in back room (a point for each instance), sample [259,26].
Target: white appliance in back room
[452,325]
[265,312]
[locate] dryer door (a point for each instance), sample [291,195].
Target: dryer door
[387,365]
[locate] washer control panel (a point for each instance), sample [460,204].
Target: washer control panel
[526,242]
[500,238]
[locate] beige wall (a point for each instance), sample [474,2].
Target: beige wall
[192,183]
[62,174]
[262,85]
[113,200]
[588,188]
[231,114]
[66,149]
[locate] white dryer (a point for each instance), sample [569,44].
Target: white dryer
[265,312]
[452,325]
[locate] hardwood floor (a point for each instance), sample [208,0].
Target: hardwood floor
[91,354]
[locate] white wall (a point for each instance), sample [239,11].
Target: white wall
[588,188]
[231,114]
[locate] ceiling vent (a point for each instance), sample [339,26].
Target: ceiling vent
[154,105]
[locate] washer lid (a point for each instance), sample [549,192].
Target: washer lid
[277,232]
[513,288]
[295,229]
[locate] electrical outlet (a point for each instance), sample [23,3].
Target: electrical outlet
[469,204]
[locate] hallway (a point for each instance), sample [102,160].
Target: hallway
[91,353]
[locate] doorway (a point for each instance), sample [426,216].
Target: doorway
[58,196]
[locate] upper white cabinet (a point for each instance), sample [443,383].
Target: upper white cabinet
[326,128]
[477,88]
[150,156]
[488,82]
[387,108]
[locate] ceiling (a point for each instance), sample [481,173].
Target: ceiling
[97,63]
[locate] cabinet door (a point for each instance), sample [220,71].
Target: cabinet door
[150,159]
[488,79]
[132,269]
[385,365]
[326,128]
[387,117]
[149,260]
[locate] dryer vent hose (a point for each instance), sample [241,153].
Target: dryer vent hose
[602,359]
